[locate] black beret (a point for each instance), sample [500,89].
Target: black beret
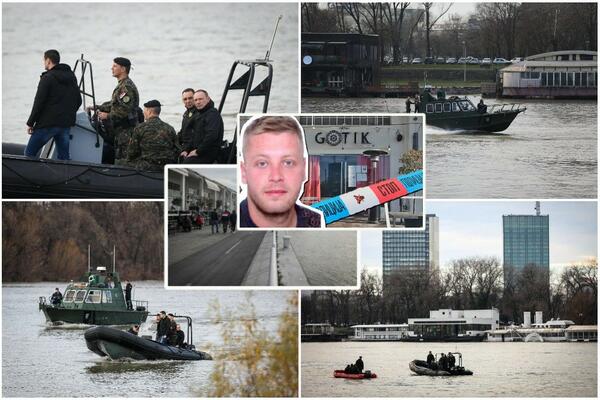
[122,61]
[152,104]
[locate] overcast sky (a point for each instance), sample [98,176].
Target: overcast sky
[224,175]
[474,228]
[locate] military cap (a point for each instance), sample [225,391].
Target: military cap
[122,61]
[152,104]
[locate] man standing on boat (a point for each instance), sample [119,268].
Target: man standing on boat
[207,131]
[153,143]
[120,114]
[128,289]
[184,136]
[54,108]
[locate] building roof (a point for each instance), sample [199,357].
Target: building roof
[581,328]
[560,53]
[525,65]
[213,186]
[381,326]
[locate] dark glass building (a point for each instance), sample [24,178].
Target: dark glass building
[526,241]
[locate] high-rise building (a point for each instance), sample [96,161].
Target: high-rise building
[411,250]
[526,241]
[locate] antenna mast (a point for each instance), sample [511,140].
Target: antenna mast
[537,208]
[89,264]
[273,38]
[114,257]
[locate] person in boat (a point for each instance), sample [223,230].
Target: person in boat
[134,330]
[154,326]
[163,328]
[481,107]
[359,364]
[443,362]
[56,297]
[430,359]
[119,115]
[54,108]
[207,131]
[417,102]
[128,288]
[408,103]
[172,335]
[451,361]
[184,135]
[180,342]
[274,170]
[153,143]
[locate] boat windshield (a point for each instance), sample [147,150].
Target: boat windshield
[69,296]
[466,105]
[106,296]
[94,296]
[80,295]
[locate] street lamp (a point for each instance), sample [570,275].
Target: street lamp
[465,60]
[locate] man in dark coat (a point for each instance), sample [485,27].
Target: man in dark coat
[207,135]
[214,221]
[430,359]
[180,337]
[172,330]
[359,364]
[163,327]
[56,298]
[128,289]
[184,136]
[55,107]
[451,361]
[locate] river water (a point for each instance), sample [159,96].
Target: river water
[44,361]
[550,151]
[171,47]
[499,370]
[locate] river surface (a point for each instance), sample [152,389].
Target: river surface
[171,47]
[499,370]
[550,151]
[44,361]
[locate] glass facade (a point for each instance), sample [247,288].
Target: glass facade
[526,240]
[405,250]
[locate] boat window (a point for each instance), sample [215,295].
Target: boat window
[446,107]
[106,296]
[93,296]
[69,296]
[438,107]
[429,108]
[466,105]
[79,296]
[455,107]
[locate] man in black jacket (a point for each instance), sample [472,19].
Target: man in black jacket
[207,135]
[185,134]
[55,107]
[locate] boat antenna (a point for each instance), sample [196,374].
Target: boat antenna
[114,257]
[273,38]
[89,264]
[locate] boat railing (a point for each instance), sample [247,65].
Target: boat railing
[508,107]
[140,305]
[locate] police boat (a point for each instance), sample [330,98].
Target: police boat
[117,344]
[421,367]
[459,113]
[95,299]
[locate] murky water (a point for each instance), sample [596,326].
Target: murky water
[171,47]
[499,370]
[550,151]
[45,361]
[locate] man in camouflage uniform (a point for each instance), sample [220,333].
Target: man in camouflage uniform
[119,115]
[153,143]
[185,134]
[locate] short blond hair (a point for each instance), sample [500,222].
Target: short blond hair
[275,125]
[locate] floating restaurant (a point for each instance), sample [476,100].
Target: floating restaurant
[188,189]
[558,74]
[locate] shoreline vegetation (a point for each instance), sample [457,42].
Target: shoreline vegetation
[48,241]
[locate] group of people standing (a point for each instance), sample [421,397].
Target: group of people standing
[356,368]
[144,142]
[444,362]
[225,218]
[168,331]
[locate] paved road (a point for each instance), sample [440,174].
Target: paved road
[222,264]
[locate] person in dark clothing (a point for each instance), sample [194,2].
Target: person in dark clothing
[359,364]
[56,297]
[172,335]
[180,337]
[225,220]
[430,359]
[163,328]
[408,104]
[232,220]
[451,361]
[185,133]
[481,107]
[55,107]
[214,221]
[134,330]
[443,362]
[207,135]
[128,289]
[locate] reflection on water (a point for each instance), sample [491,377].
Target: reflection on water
[549,151]
[127,366]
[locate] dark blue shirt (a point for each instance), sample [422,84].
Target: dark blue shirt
[305,217]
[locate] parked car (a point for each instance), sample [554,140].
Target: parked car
[516,60]
[473,60]
[486,62]
[416,60]
[451,60]
[404,60]
[429,60]
[463,60]
[500,60]
[440,60]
